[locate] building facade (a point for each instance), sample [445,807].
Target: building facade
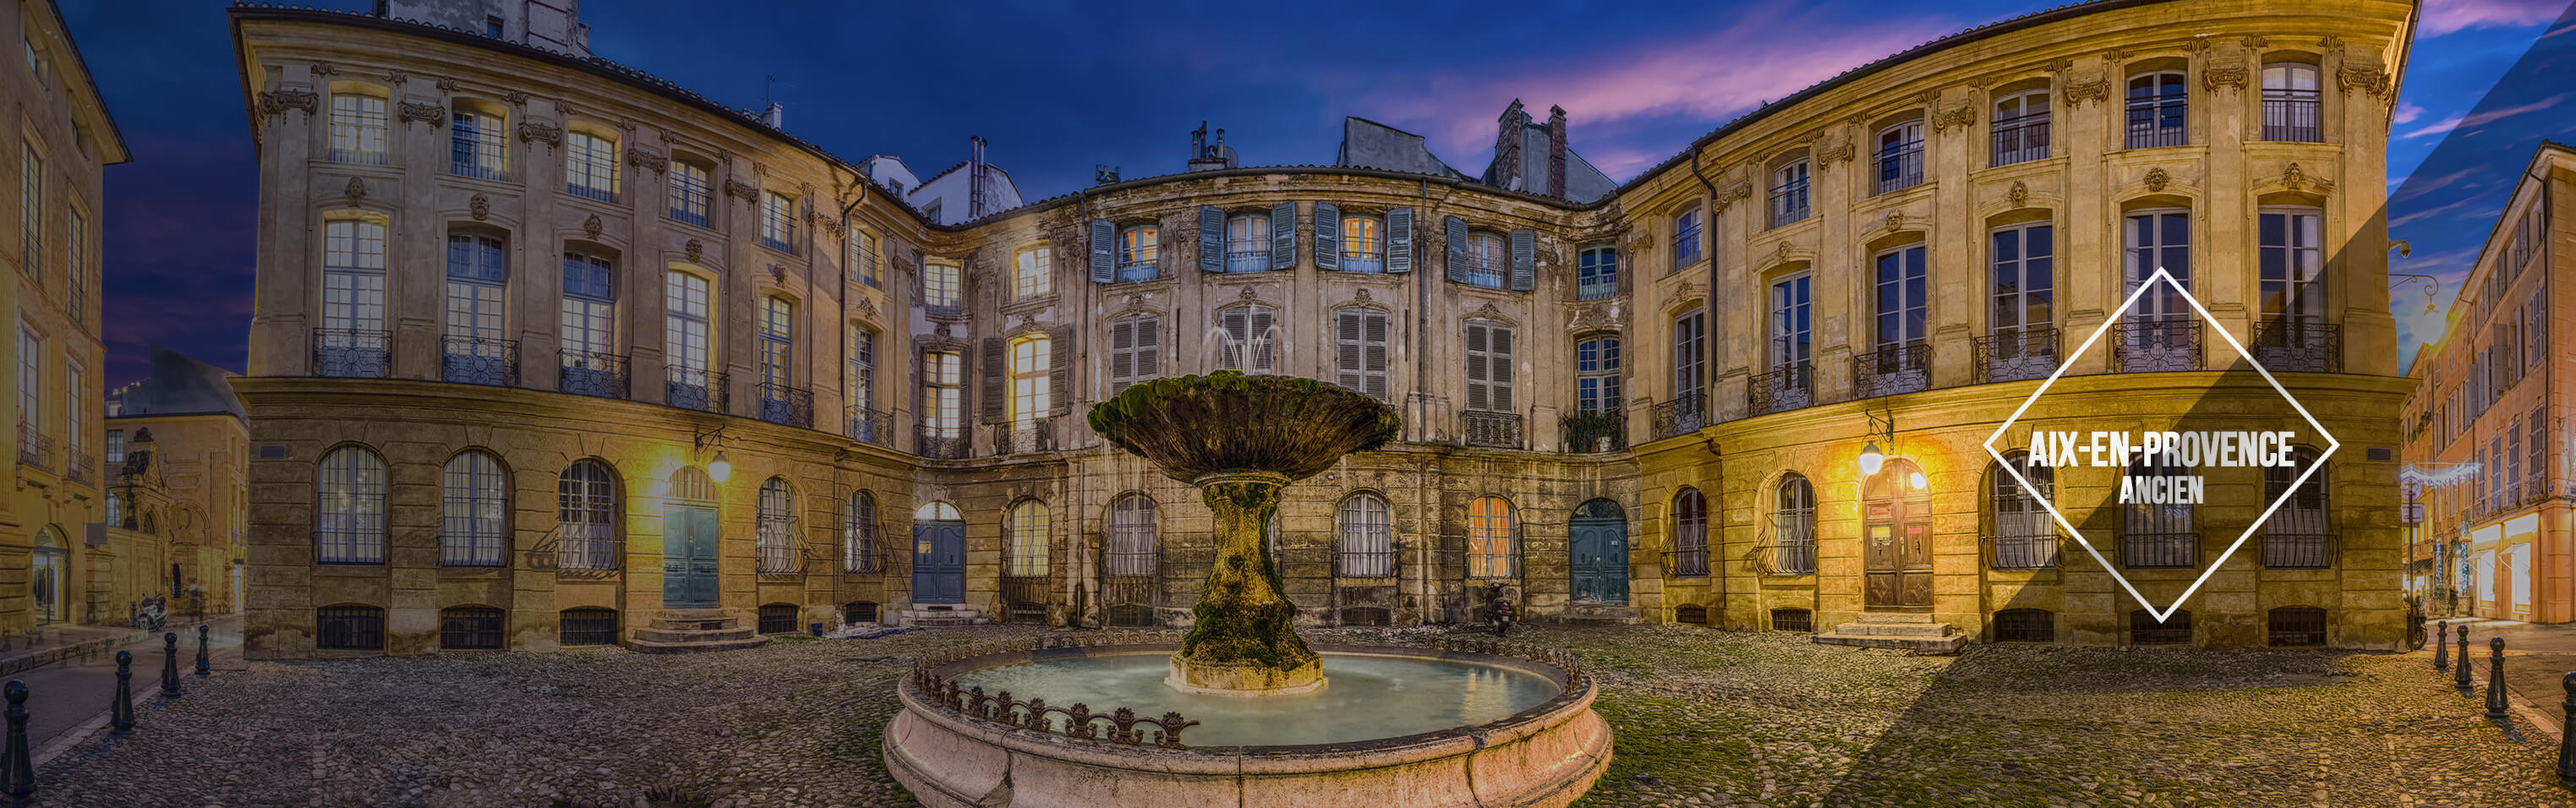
[50,514]
[2482,429]
[545,348]
[178,494]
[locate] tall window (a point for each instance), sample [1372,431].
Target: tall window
[859,379]
[940,285]
[1690,534]
[774,532]
[1789,193]
[473,512]
[357,128]
[31,381]
[1900,156]
[777,221]
[350,506]
[1690,364]
[1367,538]
[1792,326]
[589,352]
[586,517]
[1596,375]
[1489,366]
[2157,104]
[1032,359]
[777,342]
[2292,261]
[1596,273]
[115,448]
[2159,333]
[1359,350]
[1793,527]
[476,269]
[690,192]
[353,342]
[475,144]
[1363,244]
[1139,248]
[1493,546]
[859,535]
[943,394]
[1036,276]
[1131,536]
[1901,298]
[1250,339]
[2025,537]
[684,340]
[2298,535]
[2021,128]
[1027,543]
[1485,260]
[76,417]
[31,211]
[1247,243]
[2157,534]
[76,265]
[1135,350]
[862,258]
[590,166]
[2290,109]
[2022,288]
[1686,238]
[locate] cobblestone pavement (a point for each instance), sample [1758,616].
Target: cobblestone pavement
[1703,719]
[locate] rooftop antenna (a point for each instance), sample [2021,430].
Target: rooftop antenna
[769,83]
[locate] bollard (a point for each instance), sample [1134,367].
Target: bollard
[121,711]
[22,769]
[2441,649]
[170,664]
[2495,677]
[203,666]
[2461,680]
[2567,735]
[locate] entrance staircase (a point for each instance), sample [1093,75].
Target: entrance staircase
[680,631]
[940,615]
[1904,631]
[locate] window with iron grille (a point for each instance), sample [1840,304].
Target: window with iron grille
[2025,625]
[474,512]
[2298,535]
[859,535]
[590,166]
[2291,111]
[1900,157]
[1360,350]
[587,625]
[476,144]
[2293,626]
[1489,366]
[1690,534]
[2157,535]
[1140,250]
[1025,545]
[1799,620]
[1247,243]
[1036,275]
[1690,368]
[778,618]
[2025,537]
[350,500]
[1793,527]
[1789,193]
[1131,536]
[469,628]
[1691,615]
[2158,103]
[1493,546]
[1135,350]
[2021,127]
[349,628]
[1596,273]
[690,192]
[859,612]
[1367,540]
[586,517]
[775,531]
[2144,630]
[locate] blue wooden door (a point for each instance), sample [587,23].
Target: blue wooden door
[688,556]
[939,562]
[1597,538]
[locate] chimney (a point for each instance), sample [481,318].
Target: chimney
[775,116]
[1507,146]
[1556,151]
[975,176]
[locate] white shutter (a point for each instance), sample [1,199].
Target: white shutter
[1149,348]
[1347,327]
[1498,366]
[1477,394]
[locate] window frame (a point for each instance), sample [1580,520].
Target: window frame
[1597,374]
[586,516]
[2167,109]
[1028,540]
[1493,539]
[1793,526]
[474,511]
[774,520]
[354,534]
[1596,272]
[1140,253]
[2010,137]
[354,129]
[590,165]
[1364,533]
[1035,273]
[1238,257]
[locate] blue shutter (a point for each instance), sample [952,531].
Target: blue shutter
[1104,251]
[1328,236]
[1399,240]
[1457,232]
[1283,236]
[1524,260]
[1211,239]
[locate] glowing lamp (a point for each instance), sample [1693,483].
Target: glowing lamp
[1917,480]
[1870,459]
[720,468]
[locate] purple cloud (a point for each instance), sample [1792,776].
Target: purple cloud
[2446,16]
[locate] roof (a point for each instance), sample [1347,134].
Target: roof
[90,82]
[180,385]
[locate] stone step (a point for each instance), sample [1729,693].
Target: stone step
[662,635]
[694,614]
[706,624]
[651,647]
[1895,617]
[1925,645]
[940,616]
[1896,629]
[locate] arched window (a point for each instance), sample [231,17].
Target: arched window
[349,506]
[1247,243]
[2290,108]
[358,126]
[1900,156]
[2157,534]
[2158,102]
[591,365]
[1690,534]
[1793,527]
[473,512]
[1131,536]
[859,547]
[474,349]
[1367,538]
[1025,542]
[2021,128]
[1493,539]
[470,628]
[586,517]
[2298,536]
[775,532]
[1360,350]
[936,511]
[2025,537]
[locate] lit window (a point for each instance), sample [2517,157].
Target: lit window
[2021,128]
[590,166]
[357,128]
[2158,104]
[1031,360]
[1492,546]
[1027,543]
[1363,244]
[1247,243]
[939,285]
[1138,250]
[777,221]
[1036,273]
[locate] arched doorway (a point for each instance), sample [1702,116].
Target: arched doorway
[1597,539]
[1896,538]
[938,554]
[46,580]
[689,541]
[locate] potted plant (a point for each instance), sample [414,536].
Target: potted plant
[1591,430]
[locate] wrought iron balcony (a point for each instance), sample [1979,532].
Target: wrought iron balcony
[1683,415]
[789,406]
[1789,203]
[2292,551]
[80,467]
[2291,116]
[477,170]
[776,243]
[1900,168]
[1243,260]
[1786,387]
[1608,434]
[870,426]
[34,449]
[2309,347]
[587,192]
[2025,547]
[2158,122]
[352,353]
[2020,139]
[1788,557]
[692,388]
[1020,437]
[591,373]
[2016,354]
[476,360]
[2159,550]
[2155,346]
[686,215]
[1133,271]
[949,309]
[1497,430]
[359,156]
[939,444]
[1892,369]
[1691,563]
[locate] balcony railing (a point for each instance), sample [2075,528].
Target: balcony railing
[1021,437]
[2308,347]
[692,388]
[591,373]
[1787,387]
[2159,550]
[355,353]
[1247,260]
[476,170]
[686,215]
[1900,168]
[2016,354]
[79,466]
[1789,203]
[948,309]
[788,406]
[1683,415]
[1692,563]
[1597,288]
[2157,123]
[1132,271]
[870,426]
[2287,551]
[2155,346]
[1788,556]
[2291,116]
[478,360]
[372,158]
[1497,430]
[776,243]
[863,267]
[1364,262]
[938,444]
[34,449]
[2025,548]
[1365,563]
[1479,270]
[1609,436]
[2020,139]
[587,192]
[1891,369]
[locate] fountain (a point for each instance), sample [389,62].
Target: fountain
[1447,723]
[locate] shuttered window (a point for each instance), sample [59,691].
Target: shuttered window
[1250,340]
[1135,350]
[1359,350]
[1489,366]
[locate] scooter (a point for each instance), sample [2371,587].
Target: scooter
[1498,610]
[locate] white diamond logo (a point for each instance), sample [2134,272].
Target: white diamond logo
[2161,277]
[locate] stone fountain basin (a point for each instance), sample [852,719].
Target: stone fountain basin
[1545,756]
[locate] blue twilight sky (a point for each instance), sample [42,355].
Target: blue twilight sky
[1059,87]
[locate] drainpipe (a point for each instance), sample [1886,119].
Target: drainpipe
[1421,372]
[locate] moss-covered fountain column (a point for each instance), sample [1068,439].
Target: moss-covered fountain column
[1245,638]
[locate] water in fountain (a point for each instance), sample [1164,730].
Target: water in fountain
[1371,696]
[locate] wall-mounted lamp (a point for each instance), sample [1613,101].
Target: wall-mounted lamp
[1871,457]
[721,468]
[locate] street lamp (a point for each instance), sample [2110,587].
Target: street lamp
[1871,459]
[720,468]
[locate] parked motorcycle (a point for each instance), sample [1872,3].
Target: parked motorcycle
[1498,610]
[151,613]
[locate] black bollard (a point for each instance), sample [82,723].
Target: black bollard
[121,712]
[170,664]
[2495,677]
[203,666]
[2441,649]
[2567,734]
[22,769]
[2460,681]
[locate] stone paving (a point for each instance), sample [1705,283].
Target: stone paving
[1704,719]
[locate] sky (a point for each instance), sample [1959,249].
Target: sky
[1061,87]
